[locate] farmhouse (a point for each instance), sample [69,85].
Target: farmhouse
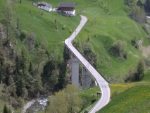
[67,8]
[45,6]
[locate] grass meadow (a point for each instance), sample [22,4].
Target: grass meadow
[135,99]
[105,28]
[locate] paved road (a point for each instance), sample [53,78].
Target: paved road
[104,86]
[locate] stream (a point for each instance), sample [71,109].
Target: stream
[35,105]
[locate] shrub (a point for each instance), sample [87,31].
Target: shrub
[134,43]
[137,73]
[89,54]
[70,30]
[117,50]
[23,35]
[63,27]
[93,100]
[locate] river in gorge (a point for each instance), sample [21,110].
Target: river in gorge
[37,105]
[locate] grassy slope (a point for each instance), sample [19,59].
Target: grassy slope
[111,26]
[88,95]
[43,25]
[133,100]
[130,97]
[146,77]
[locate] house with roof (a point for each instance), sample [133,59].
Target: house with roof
[45,6]
[67,8]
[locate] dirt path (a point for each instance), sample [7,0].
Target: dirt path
[145,50]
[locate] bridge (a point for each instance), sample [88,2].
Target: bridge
[87,70]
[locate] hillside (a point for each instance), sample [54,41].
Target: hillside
[106,28]
[37,66]
[135,99]
[103,29]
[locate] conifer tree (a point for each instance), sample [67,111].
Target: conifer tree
[6,110]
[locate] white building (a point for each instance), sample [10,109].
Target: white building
[67,8]
[45,6]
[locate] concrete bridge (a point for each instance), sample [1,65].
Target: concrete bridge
[87,70]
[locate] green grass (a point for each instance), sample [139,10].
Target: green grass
[146,77]
[31,20]
[103,28]
[108,28]
[88,95]
[132,100]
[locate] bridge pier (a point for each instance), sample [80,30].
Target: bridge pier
[86,79]
[75,71]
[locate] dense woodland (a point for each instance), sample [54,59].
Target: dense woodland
[22,71]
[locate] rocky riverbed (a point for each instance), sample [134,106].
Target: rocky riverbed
[35,105]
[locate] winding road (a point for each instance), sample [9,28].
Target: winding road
[103,84]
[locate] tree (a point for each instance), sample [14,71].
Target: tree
[8,21]
[117,49]
[72,98]
[17,62]
[137,73]
[53,79]
[6,110]
[30,68]
[66,100]
[24,59]
[0,76]
[31,41]
[19,88]
[35,85]
[140,70]
[62,79]
[23,35]
[58,103]
[130,2]
[148,3]
[89,54]
[47,72]
[138,14]
[12,86]
[18,24]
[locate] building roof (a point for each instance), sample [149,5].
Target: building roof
[44,4]
[66,4]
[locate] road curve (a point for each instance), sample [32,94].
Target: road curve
[103,84]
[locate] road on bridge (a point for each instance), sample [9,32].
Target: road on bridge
[103,84]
